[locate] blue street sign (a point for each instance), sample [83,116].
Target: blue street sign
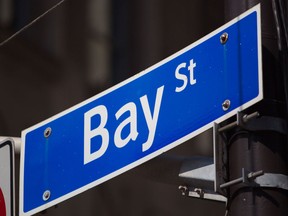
[144,116]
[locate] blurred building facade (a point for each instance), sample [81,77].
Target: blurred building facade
[82,48]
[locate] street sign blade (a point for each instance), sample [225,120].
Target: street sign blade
[144,116]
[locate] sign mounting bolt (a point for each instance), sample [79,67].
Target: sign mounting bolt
[46,195]
[184,189]
[226,105]
[47,132]
[224,38]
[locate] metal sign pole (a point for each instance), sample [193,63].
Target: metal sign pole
[261,146]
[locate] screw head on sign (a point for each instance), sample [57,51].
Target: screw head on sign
[224,38]
[46,195]
[47,132]
[226,105]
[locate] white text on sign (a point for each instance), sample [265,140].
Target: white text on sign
[151,119]
[131,120]
[183,77]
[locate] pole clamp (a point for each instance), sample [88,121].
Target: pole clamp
[260,179]
[247,178]
[259,123]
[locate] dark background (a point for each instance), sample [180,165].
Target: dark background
[82,48]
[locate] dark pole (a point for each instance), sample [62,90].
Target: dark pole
[264,147]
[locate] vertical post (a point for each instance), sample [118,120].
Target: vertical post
[264,149]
